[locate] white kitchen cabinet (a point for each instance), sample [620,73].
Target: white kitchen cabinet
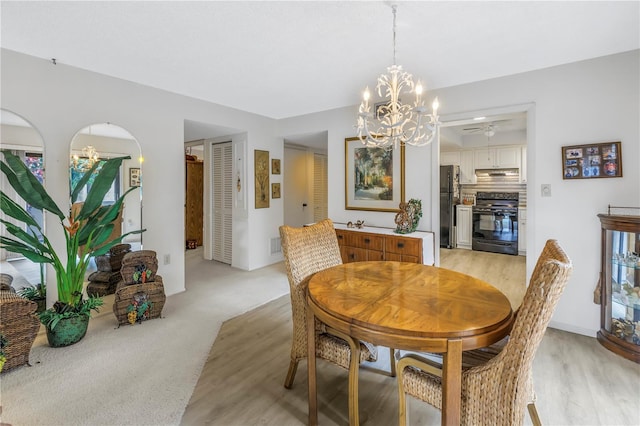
[450,158]
[467,171]
[463,226]
[500,157]
[522,231]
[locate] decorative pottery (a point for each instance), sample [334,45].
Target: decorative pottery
[408,217]
[42,304]
[68,331]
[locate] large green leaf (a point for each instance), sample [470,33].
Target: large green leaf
[16,211]
[27,185]
[100,235]
[19,247]
[105,248]
[83,182]
[27,238]
[100,186]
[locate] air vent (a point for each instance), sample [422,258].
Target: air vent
[497,175]
[276,248]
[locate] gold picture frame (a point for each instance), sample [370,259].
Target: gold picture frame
[592,161]
[261,172]
[275,166]
[275,190]
[374,177]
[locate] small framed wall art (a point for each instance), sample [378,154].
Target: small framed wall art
[275,166]
[134,176]
[590,161]
[275,190]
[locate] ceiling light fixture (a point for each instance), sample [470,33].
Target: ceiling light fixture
[490,130]
[393,123]
[89,154]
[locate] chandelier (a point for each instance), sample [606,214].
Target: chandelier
[90,157]
[393,122]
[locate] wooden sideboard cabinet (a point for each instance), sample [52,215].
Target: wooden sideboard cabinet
[370,243]
[360,246]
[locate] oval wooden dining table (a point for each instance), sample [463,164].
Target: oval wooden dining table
[412,307]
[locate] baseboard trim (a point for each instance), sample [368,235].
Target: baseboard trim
[573,329]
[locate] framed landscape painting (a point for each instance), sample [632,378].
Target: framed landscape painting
[374,177]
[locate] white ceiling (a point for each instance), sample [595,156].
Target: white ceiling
[282,59]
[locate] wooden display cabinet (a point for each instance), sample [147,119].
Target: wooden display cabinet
[620,285]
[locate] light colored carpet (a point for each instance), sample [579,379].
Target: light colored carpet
[142,374]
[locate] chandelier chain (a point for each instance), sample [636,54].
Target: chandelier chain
[394,8]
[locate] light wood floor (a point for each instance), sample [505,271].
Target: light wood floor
[577,381]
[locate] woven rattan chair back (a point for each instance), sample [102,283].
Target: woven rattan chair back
[306,251]
[547,284]
[497,392]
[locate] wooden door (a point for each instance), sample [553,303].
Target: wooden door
[193,204]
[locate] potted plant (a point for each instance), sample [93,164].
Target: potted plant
[36,293]
[3,356]
[86,233]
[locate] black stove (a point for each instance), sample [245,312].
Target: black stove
[495,222]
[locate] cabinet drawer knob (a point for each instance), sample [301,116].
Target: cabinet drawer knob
[400,245]
[367,241]
[339,237]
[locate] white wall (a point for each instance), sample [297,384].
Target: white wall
[585,102]
[59,100]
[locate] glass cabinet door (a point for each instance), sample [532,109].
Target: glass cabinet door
[623,313]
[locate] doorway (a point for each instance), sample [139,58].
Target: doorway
[305,179]
[484,140]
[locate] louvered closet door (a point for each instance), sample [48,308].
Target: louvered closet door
[320,198]
[222,184]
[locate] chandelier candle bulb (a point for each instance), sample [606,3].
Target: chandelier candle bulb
[366,97]
[418,94]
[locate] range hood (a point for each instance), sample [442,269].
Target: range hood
[498,174]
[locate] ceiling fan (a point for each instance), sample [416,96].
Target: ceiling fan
[488,129]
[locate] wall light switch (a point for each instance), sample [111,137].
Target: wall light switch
[545,190]
[167,259]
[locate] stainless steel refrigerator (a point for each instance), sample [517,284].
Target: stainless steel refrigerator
[449,196]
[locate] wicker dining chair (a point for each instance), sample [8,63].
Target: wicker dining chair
[496,381]
[306,251]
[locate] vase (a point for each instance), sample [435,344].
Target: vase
[68,331]
[42,304]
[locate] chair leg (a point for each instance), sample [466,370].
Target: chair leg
[392,359]
[533,413]
[291,374]
[402,401]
